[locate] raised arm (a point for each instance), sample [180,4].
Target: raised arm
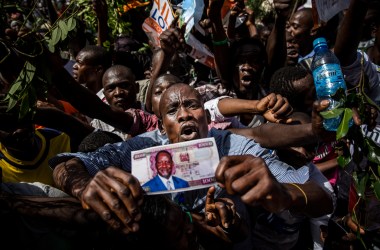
[84,100]
[349,34]
[171,40]
[101,10]
[276,44]
[219,40]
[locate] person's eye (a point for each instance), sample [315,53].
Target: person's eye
[193,105]
[159,92]
[171,111]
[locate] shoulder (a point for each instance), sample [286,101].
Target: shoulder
[151,181]
[50,133]
[233,144]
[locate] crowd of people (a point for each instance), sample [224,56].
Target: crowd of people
[66,167]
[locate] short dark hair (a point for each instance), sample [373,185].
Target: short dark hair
[97,139]
[119,67]
[237,48]
[282,83]
[97,55]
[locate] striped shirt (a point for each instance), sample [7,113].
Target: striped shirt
[119,154]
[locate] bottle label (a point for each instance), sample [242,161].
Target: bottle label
[328,78]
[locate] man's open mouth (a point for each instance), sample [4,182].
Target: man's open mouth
[189,132]
[246,80]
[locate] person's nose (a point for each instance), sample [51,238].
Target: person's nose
[246,67]
[184,114]
[119,91]
[75,66]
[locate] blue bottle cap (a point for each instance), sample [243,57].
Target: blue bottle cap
[319,41]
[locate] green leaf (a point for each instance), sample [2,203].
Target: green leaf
[56,35]
[64,30]
[30,70]
[378,169]
[344,124]
[24,107]
[373,151]
[376,189]
[51,46]
[12,102]
[361,184]
[15,87]
[332,113]
[70,23]
[343,161]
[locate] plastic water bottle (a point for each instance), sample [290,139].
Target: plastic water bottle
[328,79]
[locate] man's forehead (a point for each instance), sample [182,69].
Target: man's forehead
[117,76]
[176,93]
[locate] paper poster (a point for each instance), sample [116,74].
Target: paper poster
[161,16]
[329,8]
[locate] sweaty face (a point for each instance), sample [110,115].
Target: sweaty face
[83,71]
[119,89]
[183,115]
[164,165]
[247,69]
[300,26]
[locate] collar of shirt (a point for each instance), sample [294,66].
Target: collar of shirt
[165,181]
[311,54]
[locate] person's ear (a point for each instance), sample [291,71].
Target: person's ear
[314,32]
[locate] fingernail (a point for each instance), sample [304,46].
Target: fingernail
[226,225]
[325,102]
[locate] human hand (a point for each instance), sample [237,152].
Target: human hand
[282,8]
[370,116]
[172,39]
[251,16]
[347,220]
[219,212]
[236,9]
[116,196]
[275,108]
[317,121]
[250,178]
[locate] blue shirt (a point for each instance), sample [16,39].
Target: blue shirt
[119,154]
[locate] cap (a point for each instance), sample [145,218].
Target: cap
[319,41]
